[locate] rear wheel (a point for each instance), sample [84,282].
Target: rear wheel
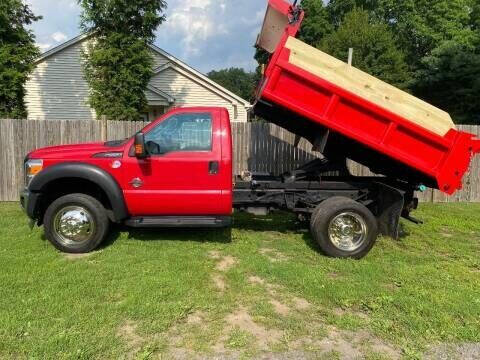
[344,228]
[76,223]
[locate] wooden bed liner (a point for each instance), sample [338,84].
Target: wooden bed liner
[368,87]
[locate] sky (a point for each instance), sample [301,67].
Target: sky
[206,34]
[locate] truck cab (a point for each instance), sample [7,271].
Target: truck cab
[176,172]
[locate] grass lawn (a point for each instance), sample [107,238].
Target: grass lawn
[259,288]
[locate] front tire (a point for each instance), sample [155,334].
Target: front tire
[76,223]
[344,228]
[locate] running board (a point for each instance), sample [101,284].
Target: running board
[180,222]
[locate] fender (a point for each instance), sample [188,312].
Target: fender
[87,172]
[391,202]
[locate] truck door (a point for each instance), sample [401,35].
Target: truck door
[181,175]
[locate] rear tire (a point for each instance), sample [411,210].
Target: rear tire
[76,223]
[344,228]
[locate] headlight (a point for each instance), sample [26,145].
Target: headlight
[32,168]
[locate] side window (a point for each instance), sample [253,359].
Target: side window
[181,132]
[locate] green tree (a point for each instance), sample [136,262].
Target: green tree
[447,78]
[118,62]
[317,22]
[419,25]
[17,54]
[236,80]
[374,46]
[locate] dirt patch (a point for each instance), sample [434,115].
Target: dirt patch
[242,320]
[336,343]
[196,318]
[271,288]
[446,232]
[256,280]
[348,344]
[469,351]
[280,309]
[226,263]
[365,339]
[219,282]
[133,342]
[273,255]
[390,287]
[74,257]
[214,254]
[333,275]
[301,304]
[338,312]
[342,312]
[271,236]
[175,337]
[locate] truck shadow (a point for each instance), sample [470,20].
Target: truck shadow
[221,236]
[278,222]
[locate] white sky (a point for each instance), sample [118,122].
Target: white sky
[207,34]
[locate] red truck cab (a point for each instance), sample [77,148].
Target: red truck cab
[184,177]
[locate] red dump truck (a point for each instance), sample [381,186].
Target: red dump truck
[177,172]
[321,98]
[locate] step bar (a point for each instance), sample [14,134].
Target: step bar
[180,222]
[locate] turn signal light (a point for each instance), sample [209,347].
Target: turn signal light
[139,150]
[34,167]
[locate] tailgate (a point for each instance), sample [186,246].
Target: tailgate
[280,17]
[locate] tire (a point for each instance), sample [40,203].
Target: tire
[76,223]
[344,228]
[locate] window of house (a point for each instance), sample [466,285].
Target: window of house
[235,112]
[181,132]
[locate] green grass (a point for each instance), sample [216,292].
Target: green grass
[148,292]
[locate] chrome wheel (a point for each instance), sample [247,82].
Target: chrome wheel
[74,225]
[347,231]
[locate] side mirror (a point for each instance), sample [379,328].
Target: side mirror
[139,146]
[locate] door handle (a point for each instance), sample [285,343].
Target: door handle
[213,167]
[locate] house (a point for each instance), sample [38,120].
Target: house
[57,89]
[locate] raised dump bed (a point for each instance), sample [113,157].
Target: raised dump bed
[367,120]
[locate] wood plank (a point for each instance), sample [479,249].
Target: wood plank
[368,87]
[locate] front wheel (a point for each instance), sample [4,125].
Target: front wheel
[344,228]
[76,223]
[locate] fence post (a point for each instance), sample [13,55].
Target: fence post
[103,119]
[350,56]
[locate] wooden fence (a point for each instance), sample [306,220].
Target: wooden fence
[257,147]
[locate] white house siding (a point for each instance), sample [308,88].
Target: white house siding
[188,92]
[57,89]
[158,59]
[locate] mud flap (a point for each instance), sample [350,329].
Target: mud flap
[390,204]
